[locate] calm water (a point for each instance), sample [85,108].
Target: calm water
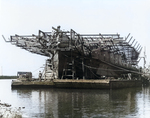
[78,103]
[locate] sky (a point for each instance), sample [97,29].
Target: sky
[26,17]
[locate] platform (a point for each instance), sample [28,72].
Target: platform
[77,84]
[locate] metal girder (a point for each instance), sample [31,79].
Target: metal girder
[48,42]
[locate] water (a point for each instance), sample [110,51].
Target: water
[78,103]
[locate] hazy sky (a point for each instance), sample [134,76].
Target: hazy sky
[25,17]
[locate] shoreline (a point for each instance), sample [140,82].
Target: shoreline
[7,111]
[8,77]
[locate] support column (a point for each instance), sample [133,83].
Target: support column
[83,68]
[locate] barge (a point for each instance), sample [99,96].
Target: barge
[77,59]
[77,84]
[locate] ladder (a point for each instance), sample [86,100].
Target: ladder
[68,71]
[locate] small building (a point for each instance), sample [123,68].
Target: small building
[25,75]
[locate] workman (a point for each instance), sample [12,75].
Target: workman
[40,75]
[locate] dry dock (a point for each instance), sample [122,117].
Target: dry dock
[78,84]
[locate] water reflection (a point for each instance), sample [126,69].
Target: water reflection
[38,102]
[78,103]
[143,100]
[75,103]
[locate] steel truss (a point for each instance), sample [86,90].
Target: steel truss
[47,43]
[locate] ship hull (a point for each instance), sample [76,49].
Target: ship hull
[89,67]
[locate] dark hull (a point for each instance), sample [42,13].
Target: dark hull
[92,67]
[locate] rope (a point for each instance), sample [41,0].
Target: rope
[93,73]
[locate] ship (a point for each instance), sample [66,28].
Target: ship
[74,56]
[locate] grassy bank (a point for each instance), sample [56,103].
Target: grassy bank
[8,77]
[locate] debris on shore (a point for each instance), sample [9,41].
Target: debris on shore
[6,111]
